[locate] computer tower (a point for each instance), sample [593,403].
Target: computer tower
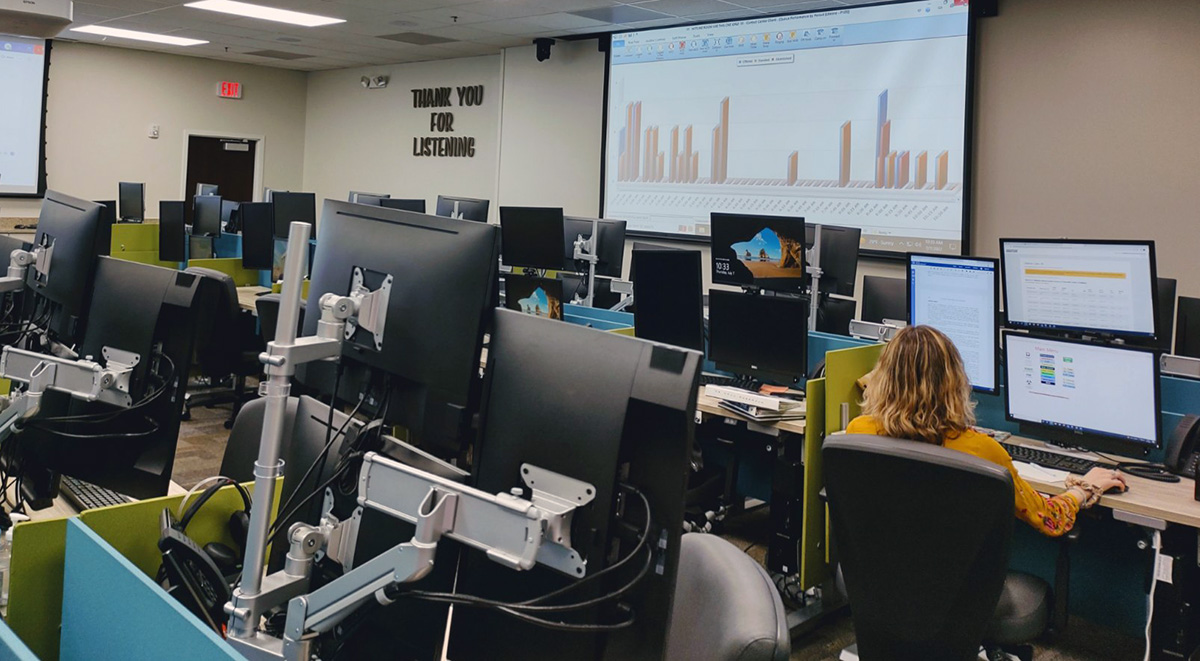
[1175,630]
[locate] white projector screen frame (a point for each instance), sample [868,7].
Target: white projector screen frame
[23,117]
[836,161]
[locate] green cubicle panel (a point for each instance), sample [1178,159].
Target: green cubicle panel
[138,242]
[843,369]
[112,610]
[813,538]
[242,277]
[36,588]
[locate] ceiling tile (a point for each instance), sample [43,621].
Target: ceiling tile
[685,7]
[565,21]
[619,14]
[417,38]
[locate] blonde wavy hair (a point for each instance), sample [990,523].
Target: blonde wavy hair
[919,389]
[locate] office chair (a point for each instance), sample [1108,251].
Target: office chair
[726,606]
[923,535]
[267,307]
[227,345]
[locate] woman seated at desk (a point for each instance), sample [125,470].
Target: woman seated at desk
[920,391]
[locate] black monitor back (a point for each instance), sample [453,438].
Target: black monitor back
[442,297]
[172,235]
[610,247]
[293,207]
[670,298]
[465,208]
[136,306]
[75,228]
[405,204]
[206,217]
[1164,323]
[108,214]
[623,411]
[258,235]
[532,237]
[839,259]
[368,199]
[1187,327]
[884,298]
[641,245]
[133,200]
[229,215]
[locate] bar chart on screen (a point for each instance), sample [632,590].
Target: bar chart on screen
[862,125]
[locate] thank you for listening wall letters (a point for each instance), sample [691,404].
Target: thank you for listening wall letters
[445,142]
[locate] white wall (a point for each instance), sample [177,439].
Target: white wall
[101,102]
[361,139]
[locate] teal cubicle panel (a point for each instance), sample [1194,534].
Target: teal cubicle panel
[111,610]
[11,647]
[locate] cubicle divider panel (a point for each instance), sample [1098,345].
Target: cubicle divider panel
[843,369]
[605,320]
[813,562]
[112,610]
[820,344]
[242,277]
[12,648]
[36,584]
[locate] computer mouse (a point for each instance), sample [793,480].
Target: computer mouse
[1116,490]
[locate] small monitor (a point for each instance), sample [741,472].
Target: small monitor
[762,336]
[531,237]
[465,208]
[108,211]
[200,247]
[540,297]
[133,201]
[758,251]
[369,200]
[1104,287]
[670,298]
[293,207]
[403,204]
[207,189]
[839,259]
[258,235]
[172,235]
[610,246]
[1098,396]
[957,295]
[354,196]
[1187,327]
[884,298]
[206,215]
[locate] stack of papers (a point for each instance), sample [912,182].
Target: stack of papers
[757,406]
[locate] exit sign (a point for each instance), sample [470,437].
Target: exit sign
[229,90]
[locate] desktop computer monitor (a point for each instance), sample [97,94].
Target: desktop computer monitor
[758,251]
[442,298]
[1187,327]
[108,211]
[670,298]
[884,298]
[206,215]
[957,295]
[258,235]
[207,189]
[839,259]
[133,201]
[293,207]
[641,245]
[609,248]
[230,216]
[620,413]
[405,204]
[540,297]
[74,227]
[1078,286]
[532,237]
[172,234]
[1101,397]
[464,208]
[368,199]
[355,195]
[761,336]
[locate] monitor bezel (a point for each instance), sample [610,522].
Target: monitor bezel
[1084,330]
[996,318]
[776,376]
[787,285]
[1091,440]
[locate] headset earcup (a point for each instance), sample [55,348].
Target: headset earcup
[239,527]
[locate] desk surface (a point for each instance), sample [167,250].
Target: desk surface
[248,295]
[1170,501]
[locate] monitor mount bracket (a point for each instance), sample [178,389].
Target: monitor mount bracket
[814,272]
[19,262]
[585,251]
[869,330]
[515,531]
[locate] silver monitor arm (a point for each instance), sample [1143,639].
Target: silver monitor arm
[19,262]
[514,531]
[585,250]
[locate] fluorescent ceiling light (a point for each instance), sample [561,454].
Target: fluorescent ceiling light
[265,13]
[137,35]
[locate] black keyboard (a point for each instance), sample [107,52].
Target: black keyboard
[1054,460]
[745,383]
[87,496]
